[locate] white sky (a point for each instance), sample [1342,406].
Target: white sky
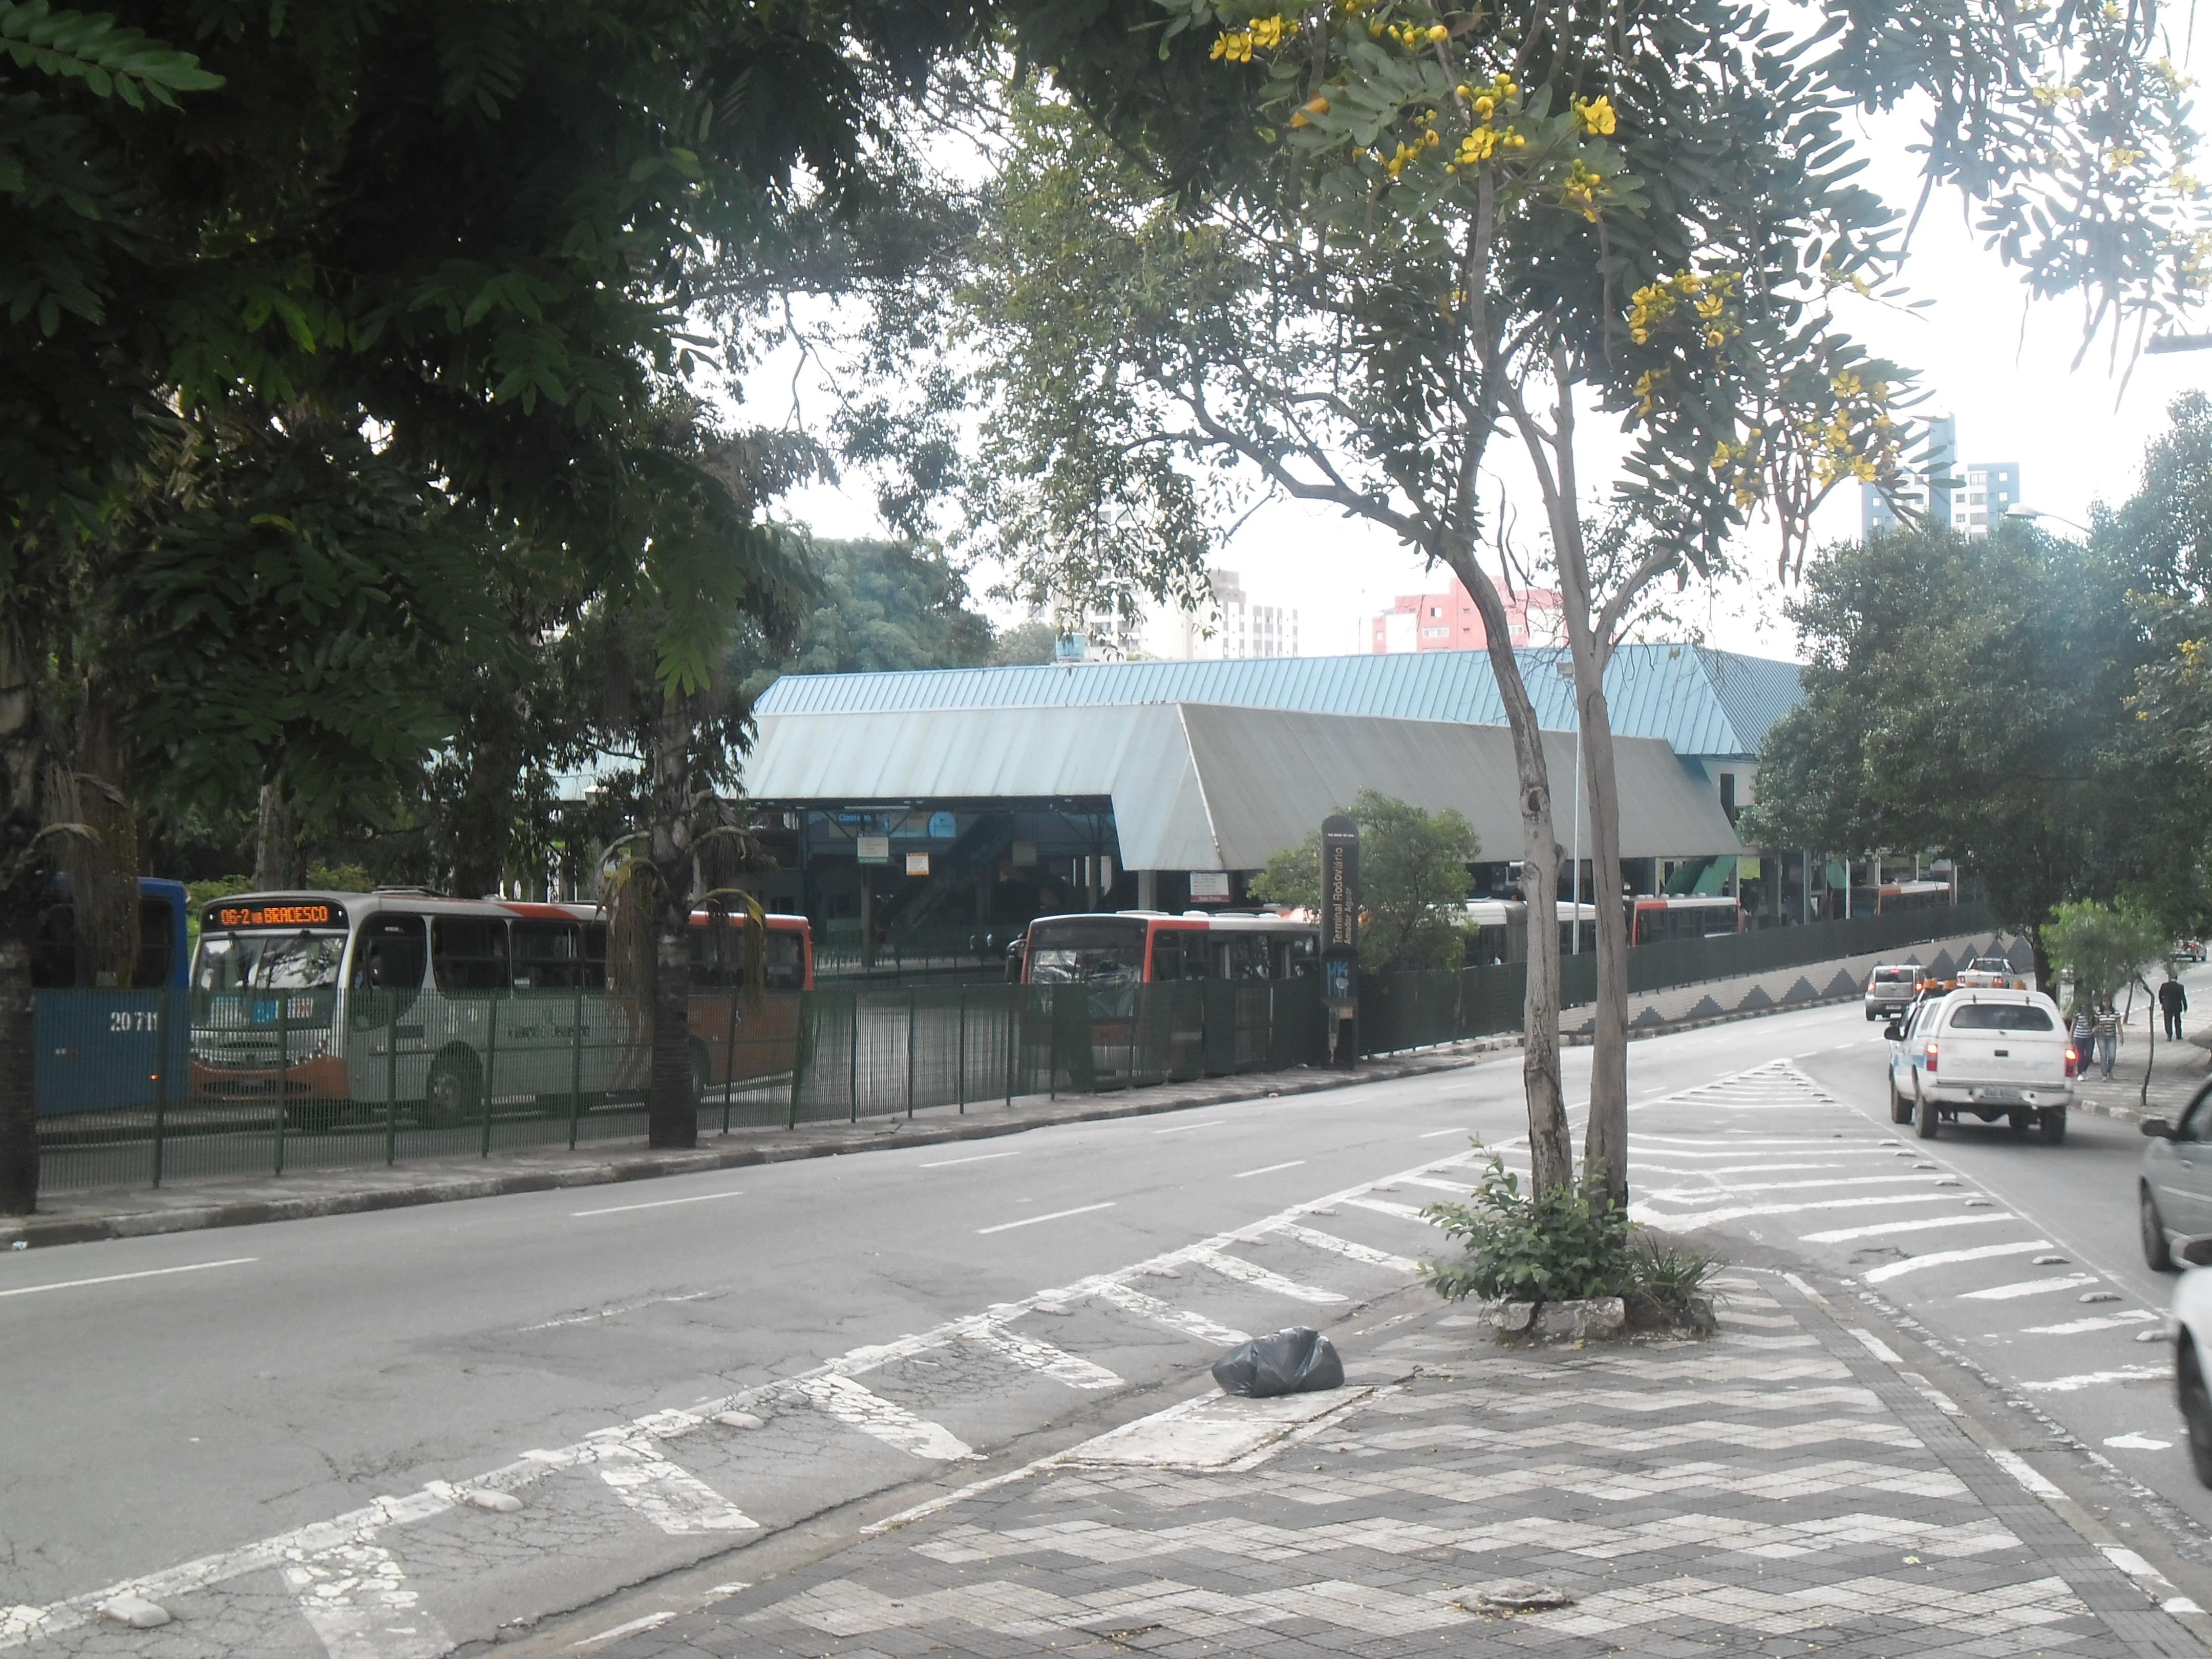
[2002,367]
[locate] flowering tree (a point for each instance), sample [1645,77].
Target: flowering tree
[1342,244]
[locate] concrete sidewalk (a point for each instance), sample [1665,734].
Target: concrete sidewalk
[1790,1486]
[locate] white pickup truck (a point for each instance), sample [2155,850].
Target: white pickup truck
[1994,1052]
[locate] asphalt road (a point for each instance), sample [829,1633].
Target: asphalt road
[200,1405]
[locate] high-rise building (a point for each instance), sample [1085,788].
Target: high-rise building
[1449,620]
[1972,500]
[1237,625]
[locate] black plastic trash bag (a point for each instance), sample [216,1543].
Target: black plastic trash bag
[1293,1361]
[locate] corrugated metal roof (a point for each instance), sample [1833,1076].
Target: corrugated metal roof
[1209,786]
[1700,702]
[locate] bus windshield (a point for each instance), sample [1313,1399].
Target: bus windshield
[303,961]
[1106,951]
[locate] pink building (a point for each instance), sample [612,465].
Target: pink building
[1449,620]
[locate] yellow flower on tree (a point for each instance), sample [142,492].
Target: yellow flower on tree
[1595,116]
[1233,45]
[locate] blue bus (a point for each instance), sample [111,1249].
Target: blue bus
[102,1046]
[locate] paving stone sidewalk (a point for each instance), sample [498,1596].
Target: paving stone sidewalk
[1783,1488]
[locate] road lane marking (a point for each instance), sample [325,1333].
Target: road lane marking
[117,1278]
[2078,1327]
[1270,1169]
[1433,1133]
[1685,1219]
[1675,1195]
[858,1407]
[661,1203]
[2132,1441]
[1178,1319]
[1882,1275]
[1182,1128]
[1345,1247]
[674,1499]
[980,1157]
[354,1597]
[1920,1224]
[1056,1362]
[1258,1277]
[2090,1379]
[1057,1215]
[2029,1287]
[1384,1206]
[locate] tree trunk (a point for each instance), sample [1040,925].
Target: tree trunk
[2043,982]
[1605,1142]
[1550,1148]
[671,1107]
[1605,1146]
[276,843]
[23,886]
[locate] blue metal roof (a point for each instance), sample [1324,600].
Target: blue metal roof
[1702,703]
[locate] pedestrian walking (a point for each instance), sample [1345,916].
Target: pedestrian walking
[2108,1037]
[2172,999]
[2085,1038]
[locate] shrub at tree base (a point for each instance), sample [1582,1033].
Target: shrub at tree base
[1568,1243]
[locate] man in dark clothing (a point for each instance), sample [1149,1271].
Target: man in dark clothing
[2172,999]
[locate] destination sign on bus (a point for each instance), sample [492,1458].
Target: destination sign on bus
[293,913]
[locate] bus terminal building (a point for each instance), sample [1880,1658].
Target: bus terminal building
[975,798]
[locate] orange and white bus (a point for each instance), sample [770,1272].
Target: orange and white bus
[408,998]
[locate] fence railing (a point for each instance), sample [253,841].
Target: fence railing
[931,947]
[145,1087]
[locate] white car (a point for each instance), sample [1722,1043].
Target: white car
[1992,1053]
[1991,973]
[2190,1325]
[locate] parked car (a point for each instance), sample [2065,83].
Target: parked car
[1991,1053]
[2189,950]
[1990,973]
[2189,1323]
[1890,989]
[2173,1194]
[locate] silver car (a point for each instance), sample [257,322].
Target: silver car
[2174,1196]
[1891,987]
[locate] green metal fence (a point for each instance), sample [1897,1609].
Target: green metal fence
[144,1087]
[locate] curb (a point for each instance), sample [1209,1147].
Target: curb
[41,1232]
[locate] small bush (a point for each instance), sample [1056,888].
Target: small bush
[1665,1279]
[1556,1246]
[1569,1243]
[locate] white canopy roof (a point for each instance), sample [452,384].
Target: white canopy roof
[1206,786]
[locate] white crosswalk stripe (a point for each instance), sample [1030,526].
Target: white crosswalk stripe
[1245,1273]
[356,1598]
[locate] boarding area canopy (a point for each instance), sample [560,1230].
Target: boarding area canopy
[1196,785]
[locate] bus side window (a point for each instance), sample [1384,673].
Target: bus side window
[786,960]
[1167,957]
[1299,954]
[157,944]
[595,956]
[388,962]
[468,954]
[547,956]
[1245,957]
[1195,962]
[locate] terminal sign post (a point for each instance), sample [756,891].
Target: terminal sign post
[1340,934]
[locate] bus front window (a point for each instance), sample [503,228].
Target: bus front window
[267,962]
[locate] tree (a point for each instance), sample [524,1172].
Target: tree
[878,605]
[2108,948]
[301,239]
[1025,643]
[1413,882]
[1968,696]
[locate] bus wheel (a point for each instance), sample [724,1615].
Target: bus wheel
[451,1099]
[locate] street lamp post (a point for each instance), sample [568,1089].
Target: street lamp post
[2029,515]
